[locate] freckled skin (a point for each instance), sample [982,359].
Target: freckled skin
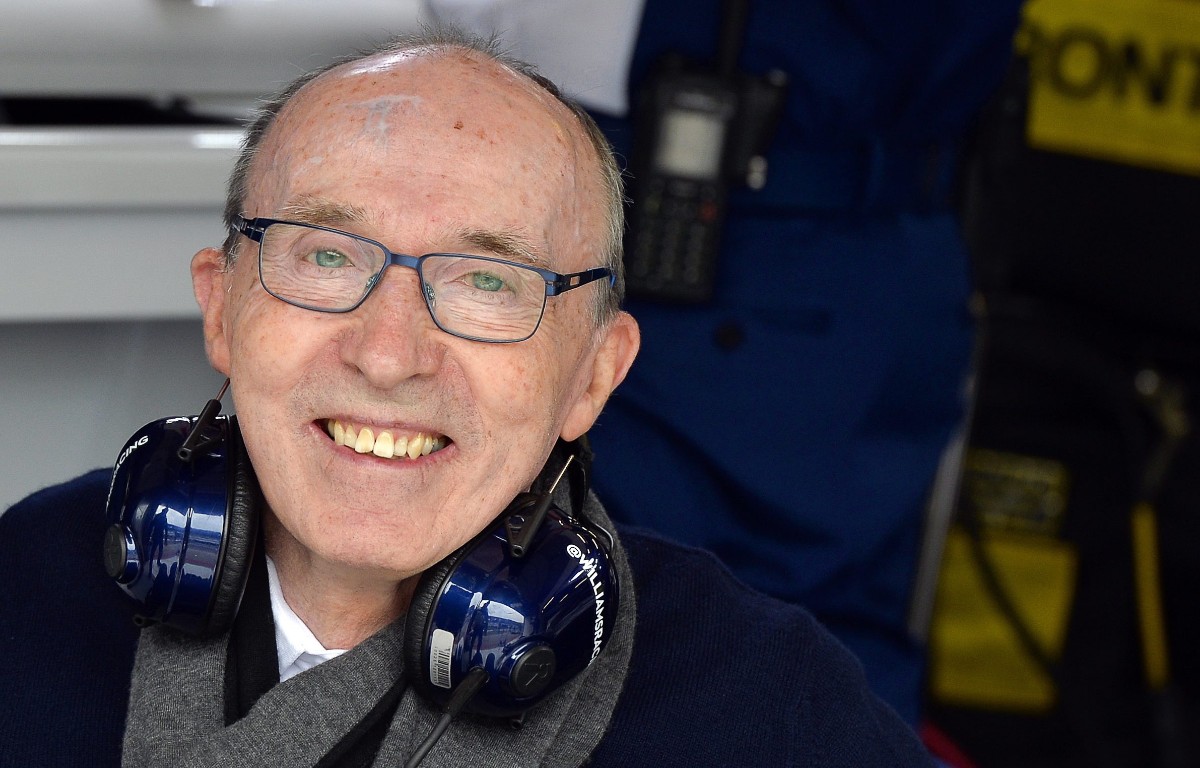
[350,533]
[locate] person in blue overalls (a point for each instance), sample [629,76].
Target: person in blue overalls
[793,424]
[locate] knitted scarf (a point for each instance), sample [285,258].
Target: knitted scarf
[178,701]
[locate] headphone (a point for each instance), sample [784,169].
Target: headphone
[515,613]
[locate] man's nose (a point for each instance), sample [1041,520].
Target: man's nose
[394,337]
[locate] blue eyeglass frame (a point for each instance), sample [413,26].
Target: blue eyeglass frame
[556,283]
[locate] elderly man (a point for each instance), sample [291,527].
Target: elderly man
[389,417]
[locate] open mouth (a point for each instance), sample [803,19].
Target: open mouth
[383,443]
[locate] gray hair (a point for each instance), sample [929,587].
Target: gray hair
[441,39]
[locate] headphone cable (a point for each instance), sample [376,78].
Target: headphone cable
[471,685]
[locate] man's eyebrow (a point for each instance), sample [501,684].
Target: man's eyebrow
[324,213]
[504,244]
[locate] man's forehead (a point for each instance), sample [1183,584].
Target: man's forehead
[398,94]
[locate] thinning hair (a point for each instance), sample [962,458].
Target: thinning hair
[443,39]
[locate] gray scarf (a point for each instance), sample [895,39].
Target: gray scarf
[176,705]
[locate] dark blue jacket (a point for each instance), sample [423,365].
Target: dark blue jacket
[720,674]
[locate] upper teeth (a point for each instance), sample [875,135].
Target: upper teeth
[383,443]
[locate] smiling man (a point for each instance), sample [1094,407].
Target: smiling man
[451,153]
[418,312]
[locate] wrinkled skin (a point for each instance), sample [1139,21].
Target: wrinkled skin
[417,151]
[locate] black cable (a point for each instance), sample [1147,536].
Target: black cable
[1086,735]
[1103,384]
[423,749]
[1000,596]
[466,690]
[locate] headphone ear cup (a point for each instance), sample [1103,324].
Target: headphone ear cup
[530,623]
[425,599]
[241,536]
[416,626]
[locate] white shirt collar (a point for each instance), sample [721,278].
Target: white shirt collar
[297,646]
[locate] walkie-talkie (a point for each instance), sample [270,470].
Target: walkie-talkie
[698,130]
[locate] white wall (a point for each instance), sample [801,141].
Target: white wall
[72,392]
[99,333]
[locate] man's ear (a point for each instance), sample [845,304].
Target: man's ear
[210,284]
[612,361]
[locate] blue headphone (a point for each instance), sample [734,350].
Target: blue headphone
[516,612]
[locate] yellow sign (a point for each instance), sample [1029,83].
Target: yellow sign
[1118,80]
[1016,505]
[976,657]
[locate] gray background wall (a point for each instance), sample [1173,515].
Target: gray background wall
[99,331]
[72,392]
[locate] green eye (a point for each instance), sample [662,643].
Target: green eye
[329,259]
[485,282]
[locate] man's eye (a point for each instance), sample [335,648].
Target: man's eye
[329,259]
[485,282]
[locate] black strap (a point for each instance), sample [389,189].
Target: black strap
[252,669]
[252,660]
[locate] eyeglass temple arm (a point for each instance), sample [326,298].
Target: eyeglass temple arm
[249,227]
[575,279]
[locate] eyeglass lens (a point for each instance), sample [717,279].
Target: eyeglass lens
[469,296]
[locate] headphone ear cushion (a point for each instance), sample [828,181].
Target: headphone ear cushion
[241,536]
[416,625]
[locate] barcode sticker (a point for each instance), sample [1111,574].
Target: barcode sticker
[440,647]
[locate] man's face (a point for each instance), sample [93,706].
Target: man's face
[449,153]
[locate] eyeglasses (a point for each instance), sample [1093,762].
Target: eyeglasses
[473,297]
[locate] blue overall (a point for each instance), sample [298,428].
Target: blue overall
[794,424]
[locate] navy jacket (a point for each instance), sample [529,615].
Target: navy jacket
[720,674]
